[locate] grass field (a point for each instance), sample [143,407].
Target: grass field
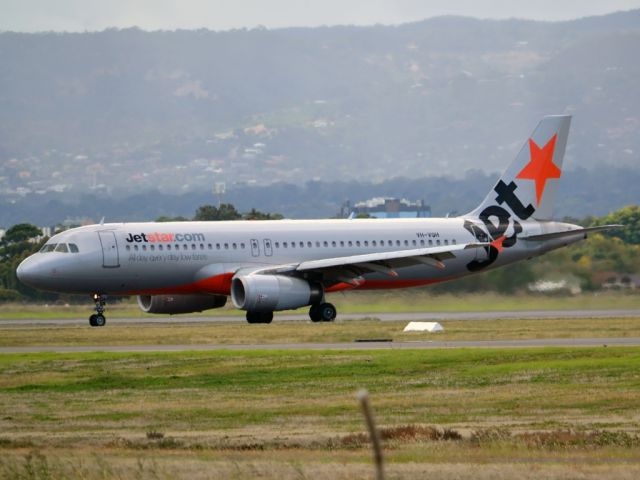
[226,333]
[465,413]
[412,300]
[460,413]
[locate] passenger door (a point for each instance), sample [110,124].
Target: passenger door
[110,257]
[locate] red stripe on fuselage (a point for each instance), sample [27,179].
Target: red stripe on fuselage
[219,285]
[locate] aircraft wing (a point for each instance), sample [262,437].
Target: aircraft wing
[348,269]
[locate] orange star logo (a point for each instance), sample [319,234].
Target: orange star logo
[541,167]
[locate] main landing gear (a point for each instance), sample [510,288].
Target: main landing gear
[98,319]
[323,312]
[259,317]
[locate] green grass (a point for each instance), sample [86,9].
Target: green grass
[293,414]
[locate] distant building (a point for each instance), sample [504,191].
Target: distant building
[389,207]
[616,281]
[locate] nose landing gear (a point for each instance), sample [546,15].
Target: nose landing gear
[98,319]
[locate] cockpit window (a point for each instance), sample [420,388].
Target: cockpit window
[73,248]
[48,247]
[62,247]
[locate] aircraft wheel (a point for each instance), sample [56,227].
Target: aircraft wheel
[100,320]
[92,320]
[328,312]
[266,317]
[314,313]
[253,317]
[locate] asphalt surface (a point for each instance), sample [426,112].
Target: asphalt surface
[385,317]
[379,345]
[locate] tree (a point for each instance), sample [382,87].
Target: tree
[18,243]
[226,211]
[18,239]
[165,218]
[628,216]
[254,214]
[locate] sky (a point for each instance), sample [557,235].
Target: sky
[93,15]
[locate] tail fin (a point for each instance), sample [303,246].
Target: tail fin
[528,187]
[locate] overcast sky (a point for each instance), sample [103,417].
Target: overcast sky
[80,15]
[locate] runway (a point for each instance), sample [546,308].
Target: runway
[385,317]
[375,345]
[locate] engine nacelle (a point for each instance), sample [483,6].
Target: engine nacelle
[173,304]
[269,293]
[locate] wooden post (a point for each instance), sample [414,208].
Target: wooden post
[363,397]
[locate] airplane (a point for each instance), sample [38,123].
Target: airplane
[275,265]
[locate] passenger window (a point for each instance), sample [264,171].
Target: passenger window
[357,243]
[135,247]
[453,242]
[301,244]
[169,247]
[366,243]
[437,242]
[185,246]
[284,244]
[235,246]
[350,243]
[202,246]
[317,244]
[325,243]
[128,247]
[342,243]
[422,243]
[373,243]
[430,243]
[62,247]
[193,246]
[293,244]
[446,242]
[226,246]
[242,246]
[309,244]
[333,244]
[406,243]
[144,247]
[73,248]
[152,247]
[217,246]
[398,243]
[277,244]
[209,246]
[414,243]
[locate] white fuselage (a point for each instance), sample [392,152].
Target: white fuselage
[201,257]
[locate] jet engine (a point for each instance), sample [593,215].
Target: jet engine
[269,293]
[173,304]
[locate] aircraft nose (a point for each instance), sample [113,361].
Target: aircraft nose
[27,271]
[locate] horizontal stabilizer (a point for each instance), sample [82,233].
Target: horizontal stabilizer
[569,233]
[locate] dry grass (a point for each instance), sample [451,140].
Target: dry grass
[302,332]
[285,465]
[408,300]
